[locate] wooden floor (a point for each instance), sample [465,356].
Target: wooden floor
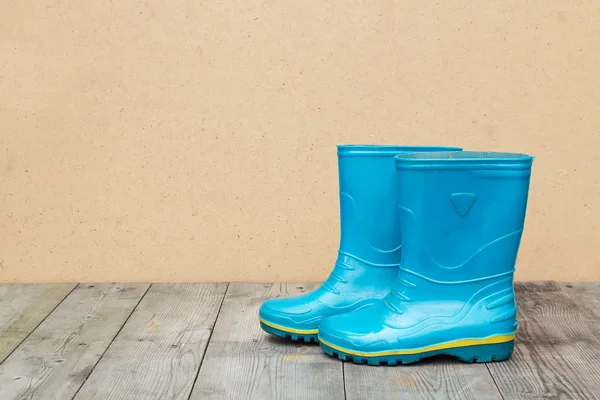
[203,341]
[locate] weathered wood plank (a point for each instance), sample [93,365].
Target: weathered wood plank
[23,307]
[435,378]
[587,297]
[556,353]
[243,362]
[54,361]
[586,294]
[159,350]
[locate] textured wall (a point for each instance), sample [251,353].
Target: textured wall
[195,140]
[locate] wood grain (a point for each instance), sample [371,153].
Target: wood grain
[159,350]
[556,354]
[585,294]
[54,361]
[435,378]
[23,307]
[243,362]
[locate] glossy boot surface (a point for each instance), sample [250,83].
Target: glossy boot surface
[462,216]
[369,253]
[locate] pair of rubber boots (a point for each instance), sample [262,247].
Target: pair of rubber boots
[429,240]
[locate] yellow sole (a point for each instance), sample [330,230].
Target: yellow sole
[497,339]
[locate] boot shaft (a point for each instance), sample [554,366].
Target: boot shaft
[462,213]
[369,195]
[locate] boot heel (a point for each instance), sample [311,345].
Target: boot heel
[484,352]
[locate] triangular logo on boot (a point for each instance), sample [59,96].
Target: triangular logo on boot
[462,202]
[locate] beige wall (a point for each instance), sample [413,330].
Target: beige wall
[196,140]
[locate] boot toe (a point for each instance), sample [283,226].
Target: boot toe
[290,312]
[353,332]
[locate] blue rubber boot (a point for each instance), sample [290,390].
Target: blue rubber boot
[462,215]
[369,254]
